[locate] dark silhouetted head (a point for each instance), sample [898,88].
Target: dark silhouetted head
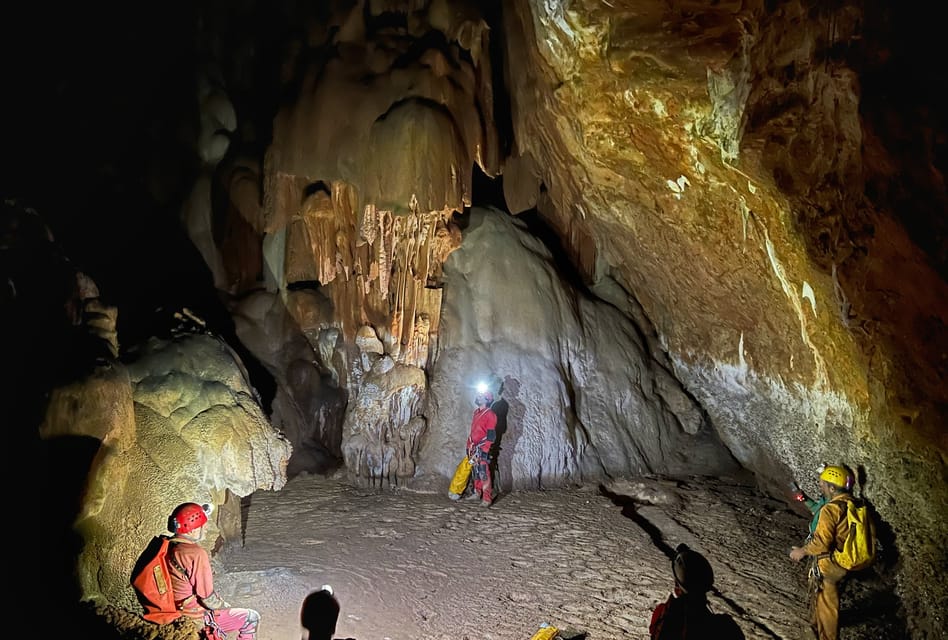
[693,572]
[319,614]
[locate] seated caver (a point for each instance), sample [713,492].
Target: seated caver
[192,581]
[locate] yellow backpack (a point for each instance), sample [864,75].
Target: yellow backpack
[859,547]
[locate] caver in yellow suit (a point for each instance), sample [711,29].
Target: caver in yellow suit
[831,530]
[477,458]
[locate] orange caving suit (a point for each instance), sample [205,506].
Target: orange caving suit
[831,530]
[481,439]
[193,583]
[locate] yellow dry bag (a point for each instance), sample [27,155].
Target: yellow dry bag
[859,548]
[546,632]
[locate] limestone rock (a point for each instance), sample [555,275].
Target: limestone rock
[384,425]
[180,424]
[580,398]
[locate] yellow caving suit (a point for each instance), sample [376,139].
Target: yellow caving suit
[831,530]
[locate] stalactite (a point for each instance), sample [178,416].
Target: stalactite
[402,249]
[383,251]
[408,323]
[423,262]
[300,259]
[369,225]
[416,354]
[378,263]
[376,266]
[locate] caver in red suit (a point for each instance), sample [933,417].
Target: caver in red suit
[193,581]
[477,462]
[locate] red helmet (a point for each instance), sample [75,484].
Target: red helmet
[188,517]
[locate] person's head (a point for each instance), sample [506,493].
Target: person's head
[319,614]
[189,519]
[834,479]
[484,399]
[692,571]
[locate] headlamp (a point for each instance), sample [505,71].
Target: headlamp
[482,387]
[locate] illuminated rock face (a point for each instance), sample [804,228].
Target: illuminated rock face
[367,167]
[180,424]
[581,394]
[120,443]
[755,221]
[714,162]
[713,173]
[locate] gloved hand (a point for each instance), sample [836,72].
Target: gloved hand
[797,492]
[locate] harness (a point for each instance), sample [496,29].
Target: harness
[191,601]
[210,629]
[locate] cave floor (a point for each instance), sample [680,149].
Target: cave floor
[410,565]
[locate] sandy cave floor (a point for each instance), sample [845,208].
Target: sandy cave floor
[416,566]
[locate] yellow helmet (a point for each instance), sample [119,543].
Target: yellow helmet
[836,476]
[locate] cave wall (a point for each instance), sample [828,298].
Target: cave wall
[179,424]
[755,190]
[697,156]
[110,445]
[709,166]
[579,396]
